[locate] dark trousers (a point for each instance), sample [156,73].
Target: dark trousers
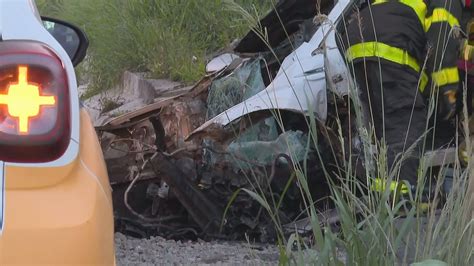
[389,98]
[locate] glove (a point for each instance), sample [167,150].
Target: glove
[447,99]
[467,51]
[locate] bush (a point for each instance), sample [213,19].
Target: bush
[169,39]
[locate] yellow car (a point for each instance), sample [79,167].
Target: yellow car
[55,197]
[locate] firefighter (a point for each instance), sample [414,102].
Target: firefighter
[401,50]
[443,27]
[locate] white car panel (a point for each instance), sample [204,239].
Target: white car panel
[300,84]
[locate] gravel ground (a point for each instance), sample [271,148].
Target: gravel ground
[159,251]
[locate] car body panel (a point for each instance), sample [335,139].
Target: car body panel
[58,212]
[68,222]
[301,82]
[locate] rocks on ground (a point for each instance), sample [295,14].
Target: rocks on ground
[159,251]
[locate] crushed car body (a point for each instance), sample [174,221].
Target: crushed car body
[178,164]
[301,82]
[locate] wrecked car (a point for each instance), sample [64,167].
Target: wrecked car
[177,162]
[181,162]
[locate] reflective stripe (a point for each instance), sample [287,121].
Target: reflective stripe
[441,15]
[379,185]
[445,76]
[387,52]
[464,156]
[382,50]
[418,6]
[467,51]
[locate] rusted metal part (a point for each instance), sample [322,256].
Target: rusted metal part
[140,113]
[159,102]
[158,127]
[179,119]
[125,148]
[204,212]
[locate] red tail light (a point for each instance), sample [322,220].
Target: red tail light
[34,103]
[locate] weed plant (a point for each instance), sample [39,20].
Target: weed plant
[379,228]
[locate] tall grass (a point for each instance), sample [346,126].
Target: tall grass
[169,39]
[377,228]
[173,39]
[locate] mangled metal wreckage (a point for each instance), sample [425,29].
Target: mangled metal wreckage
[176,163]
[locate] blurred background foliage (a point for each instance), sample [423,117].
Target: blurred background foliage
[168,39]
